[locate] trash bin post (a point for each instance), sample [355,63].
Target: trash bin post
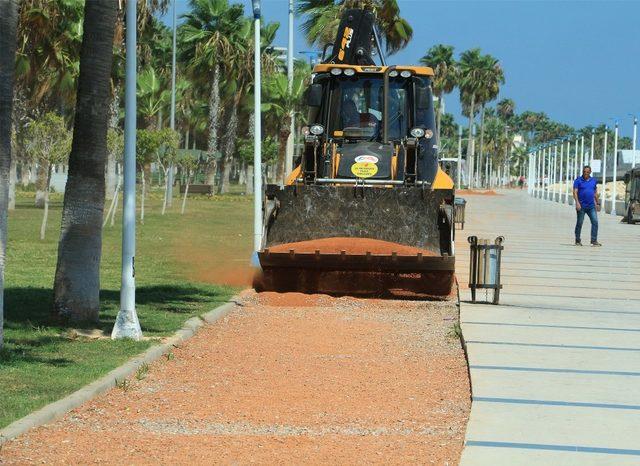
[484,266]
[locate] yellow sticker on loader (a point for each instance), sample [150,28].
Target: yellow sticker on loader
[364,169]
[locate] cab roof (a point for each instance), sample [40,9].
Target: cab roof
[417,70]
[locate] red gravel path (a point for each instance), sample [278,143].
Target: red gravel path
[339,381]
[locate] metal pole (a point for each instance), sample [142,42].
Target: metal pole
[635,138]
[127,324]
[173,106]
[257,135]
[603,198]
[459,169]
[288,165]
[568,188]
[615,171]
[562,193]
[582,164]
[555,172]
[593,135]
[539,173]
[576,169]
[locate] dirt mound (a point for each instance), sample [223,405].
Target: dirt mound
[350,246]
[476,192]
[272,298]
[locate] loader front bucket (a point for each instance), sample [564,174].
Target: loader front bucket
[360,241]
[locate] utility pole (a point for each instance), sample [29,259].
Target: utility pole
[604,170]
[127,324]
[459,168]
[288,164]
[635,138]
[173,107]
[615,170]
[593,136]
[257,134]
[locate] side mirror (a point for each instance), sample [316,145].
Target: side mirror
[314,95]
[423,97]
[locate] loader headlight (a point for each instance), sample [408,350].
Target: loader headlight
[349,72]
[393,74]
[405,74]
[336,71]
[316,130]
[417,133]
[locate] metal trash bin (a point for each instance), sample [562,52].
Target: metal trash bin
[459,205]
[484,266]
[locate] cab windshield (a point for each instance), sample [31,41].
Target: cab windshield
[356,105]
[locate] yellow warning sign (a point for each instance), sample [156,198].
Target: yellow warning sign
[364,169]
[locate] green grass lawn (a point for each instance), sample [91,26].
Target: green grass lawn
[42,362]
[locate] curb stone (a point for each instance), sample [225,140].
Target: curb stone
[57,409]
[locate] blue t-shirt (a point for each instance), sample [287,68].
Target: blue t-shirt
[586,191]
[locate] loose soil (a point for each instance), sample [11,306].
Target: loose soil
[331,380]
[476,192]
[350,246]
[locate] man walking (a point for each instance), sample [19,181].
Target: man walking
[585,197]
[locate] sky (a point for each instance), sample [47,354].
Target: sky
[577,61]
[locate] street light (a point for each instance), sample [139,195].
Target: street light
[257,134]
[288,166]
[459,168]
[604,169]
[615,170]
[173,107]
[635,137]
[127,324]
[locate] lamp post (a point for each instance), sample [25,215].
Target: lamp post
[561,194]
[615,170]
[173,106]
[604,170]
[539,173]
[257,134]
[555,171]
[568,187]
[127,324]
[459,168]
[635,138]
[593,136]
[582,164]
[288,165]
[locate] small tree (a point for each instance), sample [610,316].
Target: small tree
[48,142]
[187,161]
[167,157]
[147,144]
[115,151]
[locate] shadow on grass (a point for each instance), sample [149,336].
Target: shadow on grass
[161,309]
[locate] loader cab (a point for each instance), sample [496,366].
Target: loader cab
[371,123]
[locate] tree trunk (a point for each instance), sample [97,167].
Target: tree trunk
[214,125]
[231,133]
[45,215]
[249,178]
[25,174]
[13,180]
[42,171]
[481,155]
[470,143]
[8,27]
[438,118]
[77,280]
[282,151]
[186,192]
[166,191]
[111,176]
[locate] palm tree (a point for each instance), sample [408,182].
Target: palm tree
[440,58]
[506,109]
[490,79]
[471,69]
[77,279]
[8,27]
[279,103]
[205,47]
[323,20]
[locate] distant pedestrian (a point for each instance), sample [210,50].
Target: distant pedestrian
[585,197]
[521,181]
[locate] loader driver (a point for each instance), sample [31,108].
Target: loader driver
[350,114]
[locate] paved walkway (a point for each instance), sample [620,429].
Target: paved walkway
[555,368]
